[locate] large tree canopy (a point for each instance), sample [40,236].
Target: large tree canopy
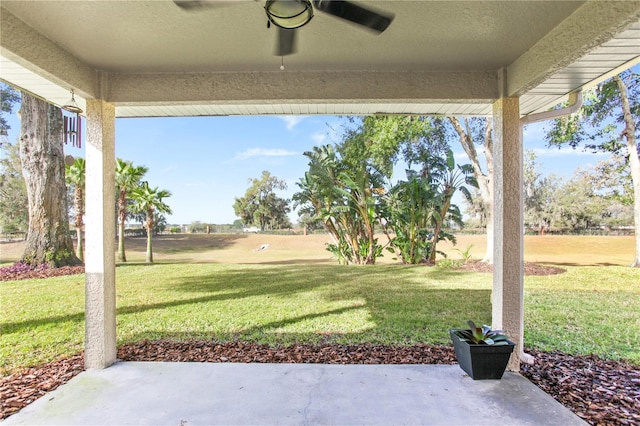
[14,212]
[260,205]
[8,98]
[417,138]
[348,188]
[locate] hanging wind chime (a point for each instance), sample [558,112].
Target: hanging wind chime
[72,129]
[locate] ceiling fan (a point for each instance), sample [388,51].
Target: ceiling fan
[288,15]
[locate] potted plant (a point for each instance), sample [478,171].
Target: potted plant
[482,353]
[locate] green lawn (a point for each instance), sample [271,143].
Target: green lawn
[586,310]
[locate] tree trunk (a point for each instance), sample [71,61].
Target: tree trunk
[122,257]
[122,216]
[634,163]
[488,153]
[80,245]
[485,181]
[438,229]
[371,257]
[78,205]
[149,226]
[48,238]
[149,246]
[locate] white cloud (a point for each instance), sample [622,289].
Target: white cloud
[291,120]
[318,138]
[170,168]
[559,152]
[262,152]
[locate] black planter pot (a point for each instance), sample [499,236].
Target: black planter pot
[481,361]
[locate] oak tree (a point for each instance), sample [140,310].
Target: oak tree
[42,158]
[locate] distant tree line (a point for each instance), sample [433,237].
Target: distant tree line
[197,227]
[593,198]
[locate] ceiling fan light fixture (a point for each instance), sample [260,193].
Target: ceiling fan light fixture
[289,14]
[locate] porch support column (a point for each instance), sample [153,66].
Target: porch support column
[508,251]
[100,284]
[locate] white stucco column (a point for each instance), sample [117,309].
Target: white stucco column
[100,284]
[508,251]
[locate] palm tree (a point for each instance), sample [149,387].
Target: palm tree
[149,201]
[75,177]
[127,179]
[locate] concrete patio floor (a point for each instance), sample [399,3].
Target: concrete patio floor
[185,394]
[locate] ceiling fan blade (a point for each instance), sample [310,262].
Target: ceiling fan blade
[286,44]
[192,4]
[195,5]
[354,13]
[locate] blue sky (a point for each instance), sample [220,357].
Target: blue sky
[207,161]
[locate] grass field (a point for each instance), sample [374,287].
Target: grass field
[219,287]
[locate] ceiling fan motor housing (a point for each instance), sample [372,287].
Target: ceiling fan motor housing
[289,14]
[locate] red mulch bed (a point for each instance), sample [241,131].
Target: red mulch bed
[599,391]
[208,351]
[41,273]
[602,392]
[20,389]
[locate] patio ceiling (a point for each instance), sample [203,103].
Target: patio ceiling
[152,58]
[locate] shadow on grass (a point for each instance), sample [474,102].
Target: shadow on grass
[401,305]
[183,243]
[290,262]
[150,265]
[16,327]
[396,324]
[580,264]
